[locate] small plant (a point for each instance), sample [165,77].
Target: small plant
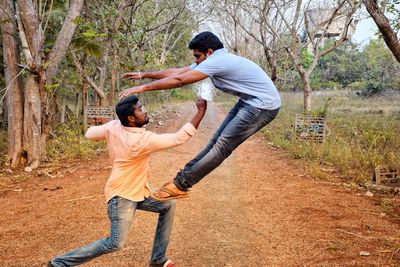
[386,204]
[336,246]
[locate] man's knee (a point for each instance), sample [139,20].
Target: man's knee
[225,145]
[169,206]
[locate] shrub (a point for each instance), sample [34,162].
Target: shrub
[67,141]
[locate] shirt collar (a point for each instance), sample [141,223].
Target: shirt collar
[220,51]
[134,129]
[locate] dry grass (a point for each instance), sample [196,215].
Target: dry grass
[363,132]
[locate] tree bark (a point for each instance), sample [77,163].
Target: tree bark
[30,34]
[84,94]
[32,121]
[389,36]
[113,79]
[38,104]
[14,97]
[63,108]
[59,50]
[307,92]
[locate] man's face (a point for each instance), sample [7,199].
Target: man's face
[199,56]
[141,117]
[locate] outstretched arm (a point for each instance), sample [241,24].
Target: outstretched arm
[159,142]
[159,74]
[170,82]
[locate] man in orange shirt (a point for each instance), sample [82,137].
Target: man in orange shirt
[127,189]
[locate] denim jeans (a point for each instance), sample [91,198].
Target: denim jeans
[120,213]
[242,121]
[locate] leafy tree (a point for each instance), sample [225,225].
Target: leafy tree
[382,70]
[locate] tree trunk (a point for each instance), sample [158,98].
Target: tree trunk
[31,38]
[271,63]
[113,79]
[32,121]
[84,95]
[39,106]
[14,97]
[84,82]
[307,91]
[383,24]
[63,104]
[76,110]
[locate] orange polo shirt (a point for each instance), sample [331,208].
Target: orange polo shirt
[129,149]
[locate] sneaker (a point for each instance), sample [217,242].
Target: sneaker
[168,263]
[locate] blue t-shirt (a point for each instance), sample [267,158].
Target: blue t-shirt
[239,76]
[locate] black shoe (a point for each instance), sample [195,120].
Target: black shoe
[49,264]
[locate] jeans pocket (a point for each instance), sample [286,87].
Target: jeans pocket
[249,114]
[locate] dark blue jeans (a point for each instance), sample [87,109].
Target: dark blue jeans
[120,213]
[241,122]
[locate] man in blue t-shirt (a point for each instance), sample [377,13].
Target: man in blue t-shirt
[258,104]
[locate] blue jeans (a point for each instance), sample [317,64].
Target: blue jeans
[241,122]
[120,213]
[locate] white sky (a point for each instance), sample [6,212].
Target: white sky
[365,30]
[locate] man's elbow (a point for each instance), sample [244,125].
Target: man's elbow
[89,134]
[181,80]
[181,139]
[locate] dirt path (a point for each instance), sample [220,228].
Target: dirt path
[257,209]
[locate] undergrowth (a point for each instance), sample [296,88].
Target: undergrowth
[3,144]
[362,133]
[67,141]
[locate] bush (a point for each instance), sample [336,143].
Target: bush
[67,141]
[372,88]
[186,93]
[357,86]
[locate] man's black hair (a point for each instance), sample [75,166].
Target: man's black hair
[205,40]
[125,108]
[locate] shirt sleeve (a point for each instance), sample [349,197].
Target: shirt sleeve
[159,142]
[211,66]
[97,133]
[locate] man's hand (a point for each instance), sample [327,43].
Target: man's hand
[201,104]
[133,75]
[130,91]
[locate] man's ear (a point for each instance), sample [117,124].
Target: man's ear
[131,119]
[210,51]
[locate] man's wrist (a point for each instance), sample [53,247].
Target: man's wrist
[144,87]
